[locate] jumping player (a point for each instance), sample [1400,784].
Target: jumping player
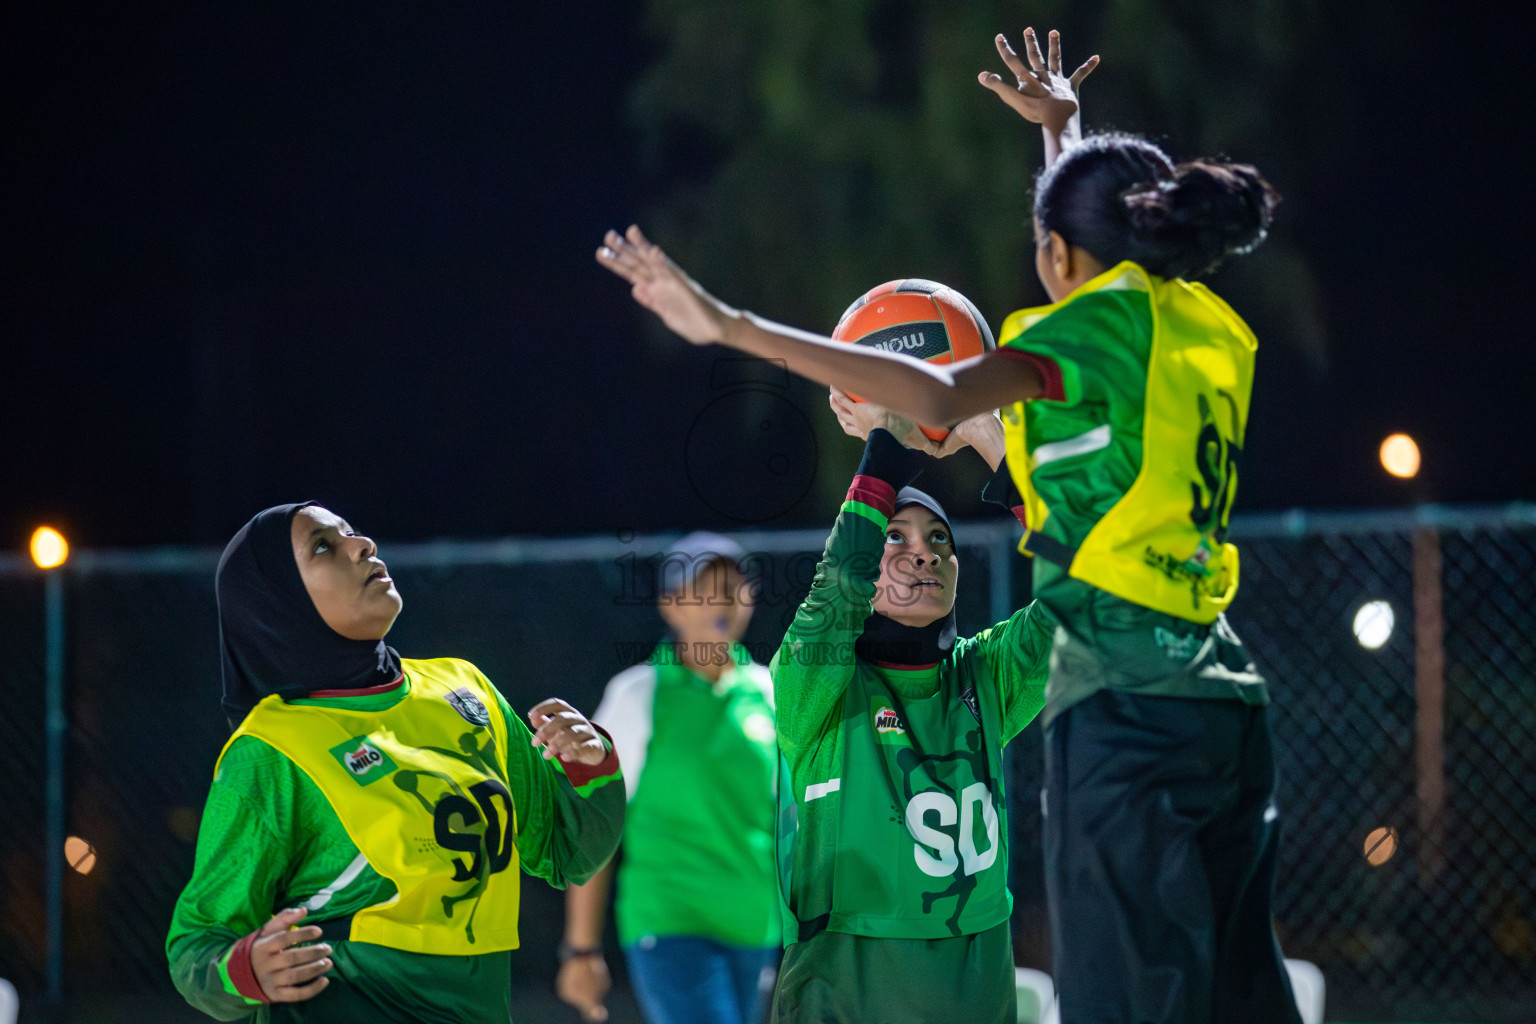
[894,830]
[1125,403]
[388,803]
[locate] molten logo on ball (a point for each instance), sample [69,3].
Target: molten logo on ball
[917,318]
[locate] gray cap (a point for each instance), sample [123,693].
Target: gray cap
[681,564]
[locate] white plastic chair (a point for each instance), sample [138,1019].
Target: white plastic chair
[10,1003]
[1037,994]
[1307,983]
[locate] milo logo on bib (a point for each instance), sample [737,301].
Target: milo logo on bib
[889,727]
[367,763]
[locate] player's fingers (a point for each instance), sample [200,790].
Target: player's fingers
[545,709]
[1032,51]
[281,921]
[621,258]
[296,956]
[596,1012]
[608,258]
[649,251]
[1011,60]
[1084,71]
[564,735]
[1053,51]
[637,238]
[276,945]
[299,993]
[301,974]
[562,721]
[1017,98]
[623,252]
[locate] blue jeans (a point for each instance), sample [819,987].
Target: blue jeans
[680,979]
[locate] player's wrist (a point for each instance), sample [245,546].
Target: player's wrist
[569,951]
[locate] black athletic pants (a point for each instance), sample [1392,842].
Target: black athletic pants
[1160,841]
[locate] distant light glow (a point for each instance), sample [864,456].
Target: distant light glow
[1400,456]
[49,548]
[1373,624]
[182,821]
[80,854]
[1380,845]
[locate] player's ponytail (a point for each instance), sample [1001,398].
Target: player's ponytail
[1119,197]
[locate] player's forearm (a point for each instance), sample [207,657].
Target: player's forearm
[200,974]
[585,906]
[812,668]
[1020,656]
[591,803]
[922,392]
[1059,140]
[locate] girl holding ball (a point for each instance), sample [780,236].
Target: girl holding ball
[1124,406]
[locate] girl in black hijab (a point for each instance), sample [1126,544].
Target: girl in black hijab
[893,829]
[385,802]
[272,639]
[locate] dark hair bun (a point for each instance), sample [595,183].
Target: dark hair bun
[1210,210]
[1120,198]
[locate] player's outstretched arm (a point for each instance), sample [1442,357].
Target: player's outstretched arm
[923,392]
[1042,93]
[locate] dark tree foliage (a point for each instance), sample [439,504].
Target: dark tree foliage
[811,149]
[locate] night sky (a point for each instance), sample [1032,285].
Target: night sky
[256,256]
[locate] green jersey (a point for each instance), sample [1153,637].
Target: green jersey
[1127,468]
[270,839]
[699,763]
[894,824]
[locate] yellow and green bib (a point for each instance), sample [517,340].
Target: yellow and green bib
[1128,477]
[422,789]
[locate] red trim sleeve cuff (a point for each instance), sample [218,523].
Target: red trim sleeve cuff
[874,492]
[1050,373]
[582,775]
[241,974]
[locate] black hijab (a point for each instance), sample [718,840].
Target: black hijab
[887,641]
[271,637]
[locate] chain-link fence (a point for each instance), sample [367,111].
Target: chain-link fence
[1406,736]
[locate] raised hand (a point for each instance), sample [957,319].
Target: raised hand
[1042,94]
[662,287]
[565,732]
[287,971]
[858,418]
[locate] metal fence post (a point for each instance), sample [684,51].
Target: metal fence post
[1001,575]
[1429,695]
[57,727]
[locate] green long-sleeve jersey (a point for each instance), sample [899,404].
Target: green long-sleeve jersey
[815,673]
[270,839]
